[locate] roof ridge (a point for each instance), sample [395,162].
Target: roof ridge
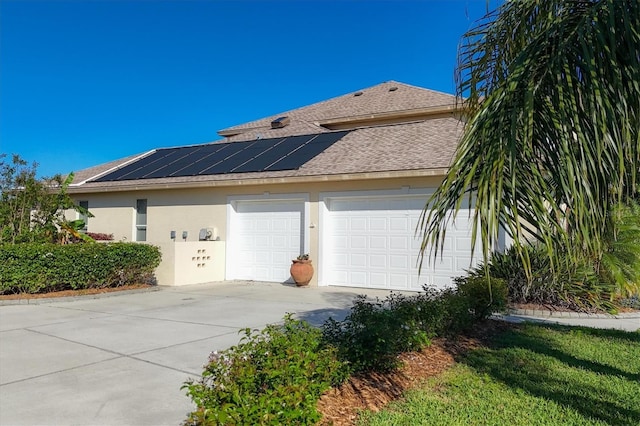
[336,103]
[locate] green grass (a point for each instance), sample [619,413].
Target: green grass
[532,375]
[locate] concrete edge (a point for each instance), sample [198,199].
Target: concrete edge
[45,300]
[563,314]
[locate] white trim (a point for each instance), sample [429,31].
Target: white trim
[232,203]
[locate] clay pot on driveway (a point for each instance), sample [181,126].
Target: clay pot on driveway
[301,271]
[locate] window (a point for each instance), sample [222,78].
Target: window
[141,220]
[83,215]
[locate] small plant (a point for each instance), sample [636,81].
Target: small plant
[273,377]
[303,257]
[484,295]
[99,236]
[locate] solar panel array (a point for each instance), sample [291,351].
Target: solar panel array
[262,155]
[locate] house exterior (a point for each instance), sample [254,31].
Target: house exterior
[344,180]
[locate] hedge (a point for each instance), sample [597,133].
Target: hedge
[41,268]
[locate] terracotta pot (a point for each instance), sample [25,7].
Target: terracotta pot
[301,271]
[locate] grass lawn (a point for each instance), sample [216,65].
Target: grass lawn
[532,375]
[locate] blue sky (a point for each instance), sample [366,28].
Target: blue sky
[83,82]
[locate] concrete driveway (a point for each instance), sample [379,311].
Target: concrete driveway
[121,359]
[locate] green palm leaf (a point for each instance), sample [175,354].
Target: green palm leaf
[552,98]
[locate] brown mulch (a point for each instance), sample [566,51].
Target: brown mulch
[67,293]
[341,406]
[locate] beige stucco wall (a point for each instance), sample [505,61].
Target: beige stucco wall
[193,209]
[186,263]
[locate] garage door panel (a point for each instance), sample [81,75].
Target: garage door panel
[357,261]
[379,243]
[443,263]
[280,241]
[280,225]
[265,237]
[378,224]
[441,281]
[388,243]
[399,224]
[358,242]
[463,244]
[281,258]
[378,261]
[259,224]
[358,278]
[401,281]
[448,243]
[341,261]
[340,242]
[378,279]
[399,242]
[401,262]
[358,224]
[463,263]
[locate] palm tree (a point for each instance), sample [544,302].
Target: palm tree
[551,92]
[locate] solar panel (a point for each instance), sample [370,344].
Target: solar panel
[217,164]
[181,159]
[209,155]
[122,173]
[171,154]
[295,158]
[274,154]
[270,156]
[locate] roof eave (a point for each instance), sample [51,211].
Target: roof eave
[143,186]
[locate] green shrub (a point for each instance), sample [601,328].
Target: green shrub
[574,285]
[36,268]
[376,331]
[483,295]
[619,265]
[273,377]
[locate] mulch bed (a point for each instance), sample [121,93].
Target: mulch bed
[341,406]
[67,293]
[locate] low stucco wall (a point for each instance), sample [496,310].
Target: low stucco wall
[185,263]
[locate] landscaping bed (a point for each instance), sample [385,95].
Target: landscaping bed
[73,293]
[341,406]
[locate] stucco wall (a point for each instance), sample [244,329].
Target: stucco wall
[186,263]
[193,209]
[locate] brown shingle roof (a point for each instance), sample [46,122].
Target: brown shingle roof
[422,144]
[373,100]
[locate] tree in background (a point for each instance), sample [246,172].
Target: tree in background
[32,209]
[552,135]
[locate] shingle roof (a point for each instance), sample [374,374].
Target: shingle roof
[390,96]
[420,144]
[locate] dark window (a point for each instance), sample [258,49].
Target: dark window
[141,220]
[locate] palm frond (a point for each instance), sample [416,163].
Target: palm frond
[552,140]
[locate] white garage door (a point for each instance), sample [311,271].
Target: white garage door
[372,243]
[263,238]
